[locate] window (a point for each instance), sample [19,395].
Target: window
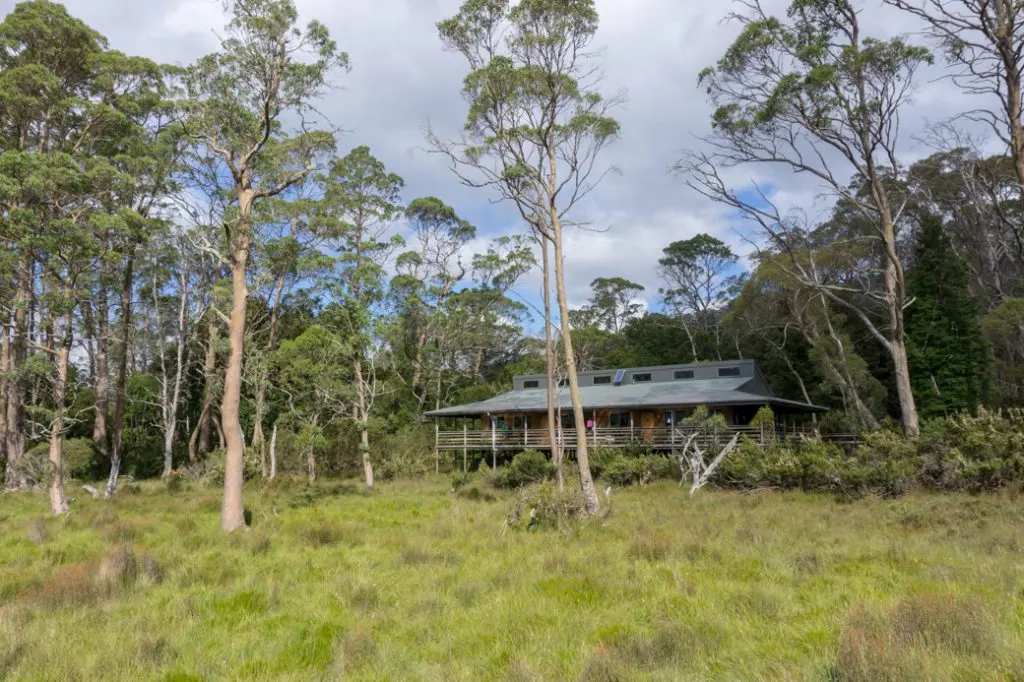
[728,371]
[676,418]
[521,422]
[620,374]
[568,421]
[619,419]
[606,379]
[531,384]
[563,382]
[684,374]
[642,378]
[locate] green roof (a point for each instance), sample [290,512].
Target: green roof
[710,392]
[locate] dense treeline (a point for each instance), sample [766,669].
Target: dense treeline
[195,277]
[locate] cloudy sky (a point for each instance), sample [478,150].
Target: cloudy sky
[401,78]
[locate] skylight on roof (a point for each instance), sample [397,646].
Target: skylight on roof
[620,374]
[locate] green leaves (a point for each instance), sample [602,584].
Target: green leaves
[236,99]
[531,98]
[814,71]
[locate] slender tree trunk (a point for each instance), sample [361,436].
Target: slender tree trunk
[364,446]
[586,480]
[260,402]
[5,365]
[689,337]
[895,295]
[120,393]
[15,437]
[101,378]
[273,452]
[549,359]
[232,511]
[205,425]
[58,502]
[796,375]
[194,438]
[418,383]
[311,453]
[171,419]
[363,416]
[842,376]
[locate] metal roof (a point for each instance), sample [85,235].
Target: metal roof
[725,391]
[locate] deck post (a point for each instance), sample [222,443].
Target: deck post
[465,445]
[437,447]
[631,439]
[593,438]
[672,428]
[494,443]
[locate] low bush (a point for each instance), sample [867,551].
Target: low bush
[963,452]
[213,473]
[528,466]
[81,461]
[407,453]
[544,506]
[974,453]
[625,470]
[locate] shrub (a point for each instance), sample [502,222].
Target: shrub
[214,471]
[975,453]
[599,459]
[461,478]
[81,460]
[407,453]
[176,481]
[624,470]
[528,466]
[886,464]
[543,506]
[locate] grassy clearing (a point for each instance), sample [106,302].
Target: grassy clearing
[413,583]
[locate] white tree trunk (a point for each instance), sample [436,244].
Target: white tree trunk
[273,453]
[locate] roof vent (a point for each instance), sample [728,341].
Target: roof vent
[620,374]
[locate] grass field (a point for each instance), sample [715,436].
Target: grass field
[413,583]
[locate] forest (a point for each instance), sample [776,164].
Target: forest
[198,277]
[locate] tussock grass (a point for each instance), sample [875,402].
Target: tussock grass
[415,583]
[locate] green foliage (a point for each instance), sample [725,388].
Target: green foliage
[213,469]
[543,506]
[949,360]
[965,452]
[405,454]
[527,467]
[1003,327]
[81,460]
[626,470]
[765,418]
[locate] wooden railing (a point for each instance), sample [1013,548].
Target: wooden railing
[661,438]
